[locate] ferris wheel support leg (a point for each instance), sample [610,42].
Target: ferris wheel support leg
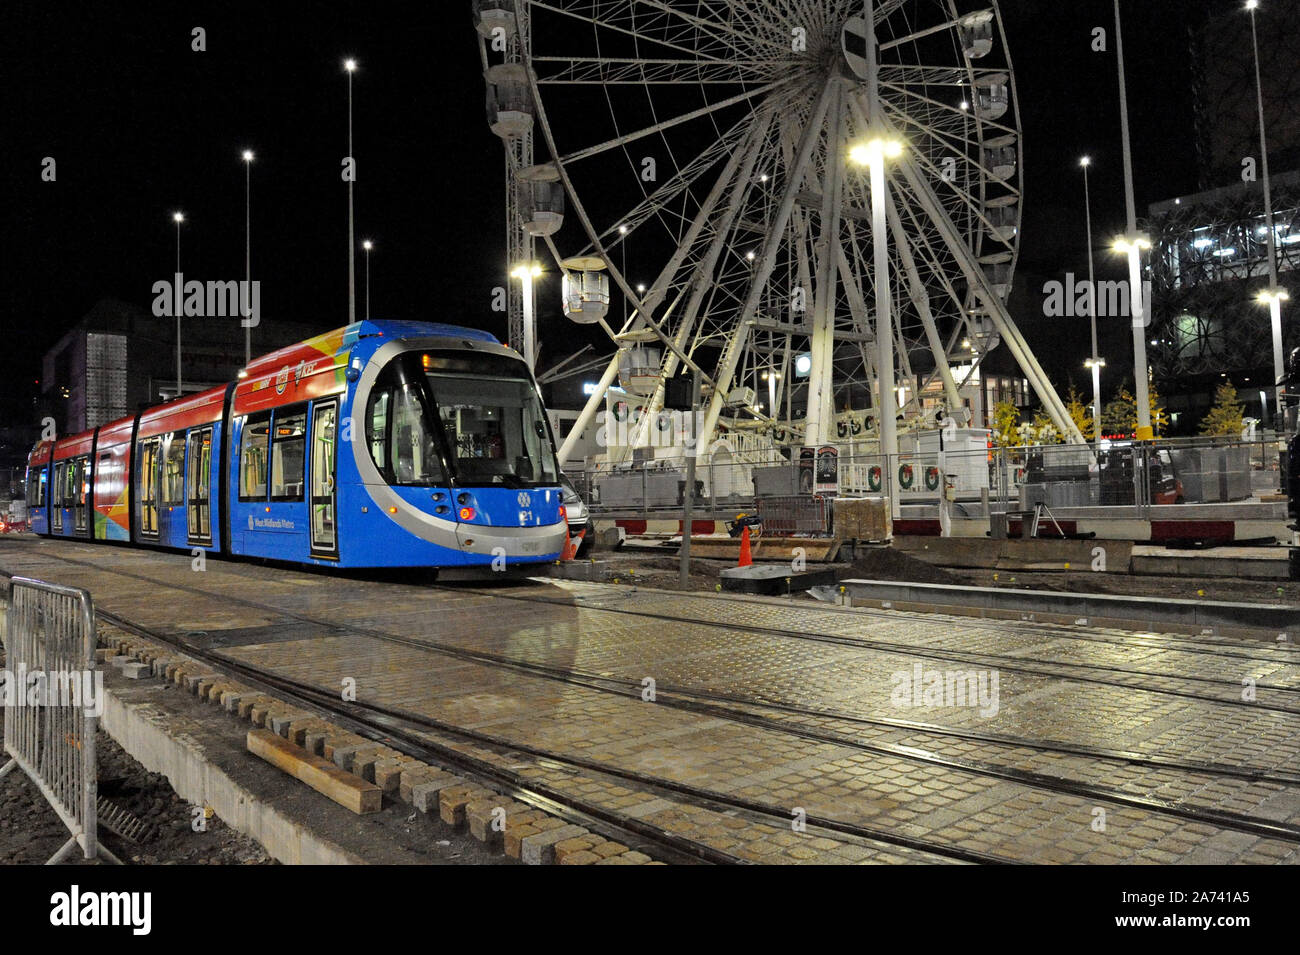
[767,262]
[857,309]
[820,375]
[589,410]
[996,308]
[921,299]
[743,160]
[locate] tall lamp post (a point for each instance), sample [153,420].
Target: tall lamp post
[1273,296]
[248,252]
[873,155]
[1095,363]
[350,66]
[367,245]
[1132,244]
[178,218]
[526,273]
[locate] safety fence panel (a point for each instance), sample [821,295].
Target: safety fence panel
[794,516]
[53,702]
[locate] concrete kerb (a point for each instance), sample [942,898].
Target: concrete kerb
[1141,613]
[431,790]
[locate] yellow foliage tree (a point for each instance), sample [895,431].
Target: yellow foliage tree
[1078,412]
[1006,421]
[1225,417]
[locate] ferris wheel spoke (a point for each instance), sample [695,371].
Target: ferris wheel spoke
[667,124]
[955,111]
[605,71]
[920,34]
[910,74]
[713,26]
[630,29]
[625,226]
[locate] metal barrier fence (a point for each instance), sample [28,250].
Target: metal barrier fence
[1165,471]
[50,723]
[794,516]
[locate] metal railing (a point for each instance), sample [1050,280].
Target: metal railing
[51,718]
[1114,473]
[794,516]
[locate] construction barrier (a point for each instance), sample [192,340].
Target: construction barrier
[52,698]
[795,516]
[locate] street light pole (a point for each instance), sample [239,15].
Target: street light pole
[350,66]
[1094,363]
[1275,296]
[526,272]
[367,245]
[248,253]
[1133,244]
[178,218]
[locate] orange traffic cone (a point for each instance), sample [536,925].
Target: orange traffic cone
[569,551]
[745,558]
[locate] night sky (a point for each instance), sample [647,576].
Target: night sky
[140,125]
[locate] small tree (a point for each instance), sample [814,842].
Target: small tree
[1078,412]
[1119,415]
[1225,418]
[1043,430]
[1006,422]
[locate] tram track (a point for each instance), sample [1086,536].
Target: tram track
[715,705]
[1008,662]
[1003,661]
[389,725]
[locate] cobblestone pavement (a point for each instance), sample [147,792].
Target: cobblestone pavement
[815,709]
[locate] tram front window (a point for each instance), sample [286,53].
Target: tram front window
[495,428]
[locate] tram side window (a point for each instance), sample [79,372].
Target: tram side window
[149,453]
[252,458]
[200,463]
[71,478]
[174,471]
[377,428]
[58,484]
[414,450]
[288,447]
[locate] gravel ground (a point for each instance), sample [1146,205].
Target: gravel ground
[30,832]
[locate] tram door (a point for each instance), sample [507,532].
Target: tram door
[324,494]
[199,486]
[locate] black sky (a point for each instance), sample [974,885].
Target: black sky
[140,125]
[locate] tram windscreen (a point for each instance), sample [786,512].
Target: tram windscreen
[495,428]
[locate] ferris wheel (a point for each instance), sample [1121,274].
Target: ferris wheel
[782,193]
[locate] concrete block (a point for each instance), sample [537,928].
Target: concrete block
[424,795]
[539,849]
[453,800]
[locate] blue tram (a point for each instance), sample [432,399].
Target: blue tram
[382,444]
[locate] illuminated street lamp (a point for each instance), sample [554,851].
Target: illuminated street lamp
[367,245]
[350,67]
[526,274]
[178,218]
[1094,363]
[1132,245]
[873,154]
[248,250]
[1274,297]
